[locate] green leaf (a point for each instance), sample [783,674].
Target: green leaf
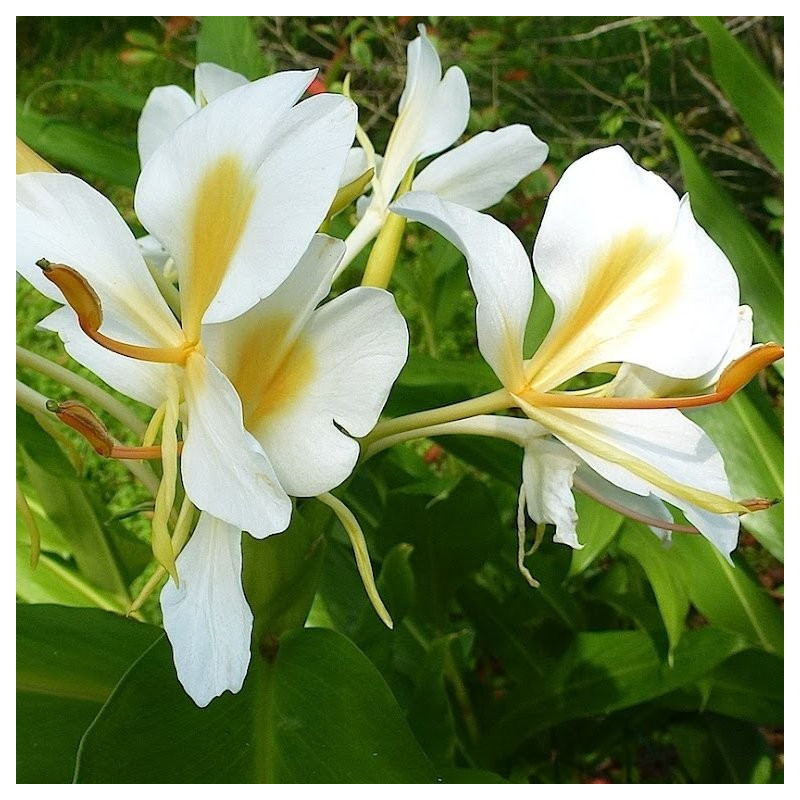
[671,595]
[102,551]
[603,672]
[760,271]
[753,455]
[318,712]
[716,749]
[727,596]
[68,662]
[598,525]
[469,775]
[73,147]
[231,42]
[751,89]
[280,573]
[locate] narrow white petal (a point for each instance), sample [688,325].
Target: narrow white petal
[225,471]
[632,276]
[547,471]
[499,271]
[615,443]
[165,109]
[212,81]
[338,376]
[153,252]
[206,618]
[63,219]
[355,166]
[480,172]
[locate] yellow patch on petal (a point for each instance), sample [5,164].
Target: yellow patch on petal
[265,383]
[635,279]
[224,198]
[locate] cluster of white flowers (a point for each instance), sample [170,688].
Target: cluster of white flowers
[270,388]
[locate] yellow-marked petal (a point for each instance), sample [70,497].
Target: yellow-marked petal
[609,452]
[266,386]
[636,278]
[350,192]
[359,545]
[225,196]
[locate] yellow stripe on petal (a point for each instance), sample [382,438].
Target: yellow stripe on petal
[225,196]
[267,383]
[636,278]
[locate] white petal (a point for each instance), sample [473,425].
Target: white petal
[153,252]
[547,470]
[634,381]
[355,166]
[356,346]
[498,270]
[433,112]
[142,380]
[238,192]
[621,444]
[62,219]
[480,172]
[165,109]
[225,471]
[632,276]
[207,619]
[252,347]
[212,81]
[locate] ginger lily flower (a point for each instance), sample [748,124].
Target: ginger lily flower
[433,112]
[305,375]
[635,280]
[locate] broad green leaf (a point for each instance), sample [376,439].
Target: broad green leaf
[753,454]
[474,375]
[749,86]
[748,686]
[317,712]
[668,587]
[280,573]
[603,672]
[451,539]
[231,42]
[102,551]
[68,662]
[597,527]
[469,775]
[760,271]
[70,146]
[727,596]
[716,749]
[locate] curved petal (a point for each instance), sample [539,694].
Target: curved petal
[225,471]
[634,381]
[153,252]
[547,471]
[206,618]
[212,81]
[353,348]
[355,166]
[498,270]
[165,109]
[142,380]
[657,452]
[249,179]
[433,112]
[252,348]
[62,219]
[480,172]
[632,276]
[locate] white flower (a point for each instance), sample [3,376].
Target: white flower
[432,114]
[633,279]
[235,195]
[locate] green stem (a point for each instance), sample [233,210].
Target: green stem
[99,396]
[485,404]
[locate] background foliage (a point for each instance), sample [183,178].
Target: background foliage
[632,663]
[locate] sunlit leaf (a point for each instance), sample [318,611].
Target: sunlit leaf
[232,43]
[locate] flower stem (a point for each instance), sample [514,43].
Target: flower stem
[485,404]
[99,396]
